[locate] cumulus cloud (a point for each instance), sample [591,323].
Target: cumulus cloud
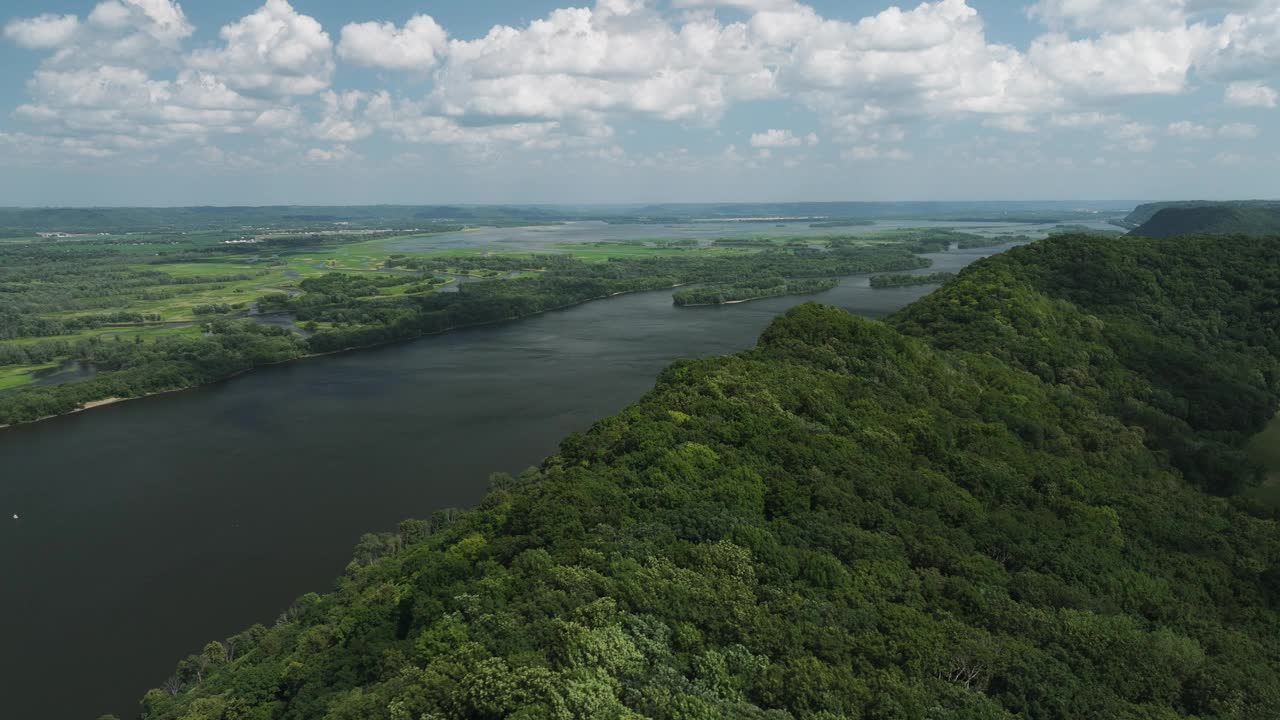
[1190,131]
[43,32]
[117,79]
[341,121]
[124,107]
[23,148]
[1131,137]
[1230,131]
[1250,94]
[416,46]
[782,139]
[614,57]
[561,82]
[1011,123]
[1119,15]
[875,152]
[1249,44]
[932,59]
[335,154]
[415,122]
[1084,119]
[1138,62]
[1238,131]
[273,52]
[1109,14]
[134,32]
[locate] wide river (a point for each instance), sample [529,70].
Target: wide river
[152,527]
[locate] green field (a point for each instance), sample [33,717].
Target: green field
[137,286]
[600,254]
[187,270]
[16,377]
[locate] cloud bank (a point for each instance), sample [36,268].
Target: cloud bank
[127,77]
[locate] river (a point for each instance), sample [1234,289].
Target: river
[550,238]
[149,528]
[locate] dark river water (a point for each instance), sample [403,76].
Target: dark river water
[149,528]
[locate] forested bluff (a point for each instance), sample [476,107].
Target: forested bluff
[1017,497]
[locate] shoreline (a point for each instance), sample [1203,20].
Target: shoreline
[753,299]
[729,302]
[106,402]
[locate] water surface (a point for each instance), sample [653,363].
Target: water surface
[151,527]
[547,238]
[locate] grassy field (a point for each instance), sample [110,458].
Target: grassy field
[245,273]
[111,332]
[241,278]
[16,377]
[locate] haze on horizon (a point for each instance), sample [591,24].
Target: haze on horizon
[156,103]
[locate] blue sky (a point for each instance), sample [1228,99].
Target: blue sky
[152,102]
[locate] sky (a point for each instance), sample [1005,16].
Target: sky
[240,102]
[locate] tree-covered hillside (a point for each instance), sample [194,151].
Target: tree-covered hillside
[1144,213]
[1007,501]
[1212,220]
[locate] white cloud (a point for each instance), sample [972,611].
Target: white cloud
[875,152]
[134,32]
[43,32]
[414,122]
[271,53]
[1250,94]
[1190,131]
[1109,14]
[1132,137]
[1084,119]
[774,138]
[1011,123]
[934,59]
[416,46]
[613,58]
[23,149]
[1116,15]
[165,18]
[1249,46]
[1238,131]
[341,122]
[558,84]
[335,154]
[278,118]
[215,157]
[1138,62]
[124,106]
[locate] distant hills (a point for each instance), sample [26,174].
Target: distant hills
[1144,213]
[26,222]
[1254,218]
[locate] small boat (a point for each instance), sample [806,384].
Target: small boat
[15,516]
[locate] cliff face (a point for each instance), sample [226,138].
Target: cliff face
[1007,501]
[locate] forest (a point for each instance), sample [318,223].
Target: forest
[893,280]
[558,281]
[1019,497]
[756,290]
[1258,221]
